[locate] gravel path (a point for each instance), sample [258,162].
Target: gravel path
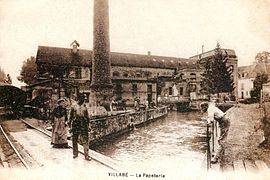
[243,141]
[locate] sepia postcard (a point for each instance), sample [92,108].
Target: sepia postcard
[134,89]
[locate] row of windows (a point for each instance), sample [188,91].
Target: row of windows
[125,74]
[181,91]
[149,89]
[192,76]
[242,75]
[78,73]
[138,74]
[134,88]
[242,94]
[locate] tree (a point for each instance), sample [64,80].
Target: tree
[260,79]
[262,57]
[217,77]
[5,78]
[207,85]
[28,73]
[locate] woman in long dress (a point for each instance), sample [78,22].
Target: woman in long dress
[59,125]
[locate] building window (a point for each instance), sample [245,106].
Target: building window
[125,74]
[86,73]
[243,74]
[78,73]
[149,88]
[247,93]
[134,89]
[182,76]
[192,76]
[116,74]
[118,90]
[170,90]
[138,74]
[181,91]
[242,86]
[147,74]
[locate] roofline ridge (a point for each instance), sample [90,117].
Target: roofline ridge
[212,50]
[121,53]
[41,46]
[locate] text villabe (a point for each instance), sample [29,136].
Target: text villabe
[138,175]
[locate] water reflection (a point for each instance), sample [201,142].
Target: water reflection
[178,138]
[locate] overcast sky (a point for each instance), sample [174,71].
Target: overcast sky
[165,27]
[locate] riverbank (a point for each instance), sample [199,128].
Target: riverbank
[243,140]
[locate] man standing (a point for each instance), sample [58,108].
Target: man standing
[215,114]
[79,120]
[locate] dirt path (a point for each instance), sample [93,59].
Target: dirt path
[243,141]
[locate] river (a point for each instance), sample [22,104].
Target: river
[177,140]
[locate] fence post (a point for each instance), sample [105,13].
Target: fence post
[213,136]
[208,155]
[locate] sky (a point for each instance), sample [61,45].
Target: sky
[176,28]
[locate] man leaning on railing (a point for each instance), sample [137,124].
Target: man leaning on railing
[215,114]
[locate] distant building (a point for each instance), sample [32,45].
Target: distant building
[67,71]
[245,81]
[133,75]
[247,75]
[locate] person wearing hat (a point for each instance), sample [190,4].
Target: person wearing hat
[215,114]
[59,125]
[79,120]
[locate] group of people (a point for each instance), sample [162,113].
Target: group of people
[146,104]
[118,104]
[77,119]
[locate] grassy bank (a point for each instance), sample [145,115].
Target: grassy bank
[243,140]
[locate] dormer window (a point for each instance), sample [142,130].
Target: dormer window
[75,46]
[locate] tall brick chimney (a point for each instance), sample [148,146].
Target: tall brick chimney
[101,84]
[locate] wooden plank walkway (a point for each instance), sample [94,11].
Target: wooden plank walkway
[241,166]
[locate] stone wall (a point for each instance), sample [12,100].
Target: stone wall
[101,128]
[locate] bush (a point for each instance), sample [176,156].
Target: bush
[249,101]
